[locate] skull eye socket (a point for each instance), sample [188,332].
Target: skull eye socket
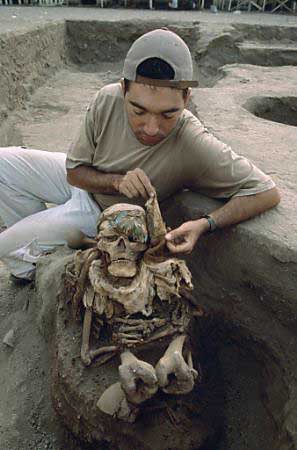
[110,238]
[134,239]
[130,238]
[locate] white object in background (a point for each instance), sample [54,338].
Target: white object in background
[173,4]
[9,339]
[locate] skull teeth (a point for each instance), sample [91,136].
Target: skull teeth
[120,260]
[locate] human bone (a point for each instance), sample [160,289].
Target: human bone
[113,402]
[126,287]
[138,378]
[173,363]
[135,297]
[123,237]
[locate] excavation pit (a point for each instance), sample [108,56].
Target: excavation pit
[246,390]
[239,403]
[276,109]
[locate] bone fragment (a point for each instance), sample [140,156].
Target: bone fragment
[136,297]
[89,256]
[156,321]
[135,336]
[190,297]
[143,325]
[190,360]
[128,321]
[156,225]
[102,350]
[105,358]
[138,378]
[131,342]
[124,329]
[109,309]
[168,331]
[88,298]
[113,402]
[85,345]
[173,363]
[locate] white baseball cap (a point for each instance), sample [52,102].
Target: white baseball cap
[167,46]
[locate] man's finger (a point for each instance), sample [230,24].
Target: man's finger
[144,179]
[127,187]
[137,185]
[184,247]
[177,233]
[133,187]
[125,191]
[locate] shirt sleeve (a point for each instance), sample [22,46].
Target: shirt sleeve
[82,149]
[215,170]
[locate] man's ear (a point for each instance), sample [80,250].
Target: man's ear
[123,86]
[187,97]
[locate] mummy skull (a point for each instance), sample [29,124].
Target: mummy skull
[123,237]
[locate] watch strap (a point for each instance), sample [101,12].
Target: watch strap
[212,223]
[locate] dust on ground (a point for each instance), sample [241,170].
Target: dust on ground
[27,420]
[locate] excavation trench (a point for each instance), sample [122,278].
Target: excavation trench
[244,390]
[277,109]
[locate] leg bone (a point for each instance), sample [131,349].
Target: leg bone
[113,402]
[175,376]
[138,378]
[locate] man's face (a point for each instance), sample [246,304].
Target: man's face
[153,111]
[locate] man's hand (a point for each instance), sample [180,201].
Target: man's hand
[135,184]
[184,238]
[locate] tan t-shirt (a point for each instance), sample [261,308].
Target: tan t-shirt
[189,157]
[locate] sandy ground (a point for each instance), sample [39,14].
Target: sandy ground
[25,18]
[26,418]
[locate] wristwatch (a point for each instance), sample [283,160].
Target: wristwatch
[212,224]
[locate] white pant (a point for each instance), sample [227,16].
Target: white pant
[28,180]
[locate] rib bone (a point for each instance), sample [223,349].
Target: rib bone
[168,331]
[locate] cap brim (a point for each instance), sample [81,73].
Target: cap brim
[184,84]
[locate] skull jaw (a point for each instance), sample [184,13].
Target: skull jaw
[122,268]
